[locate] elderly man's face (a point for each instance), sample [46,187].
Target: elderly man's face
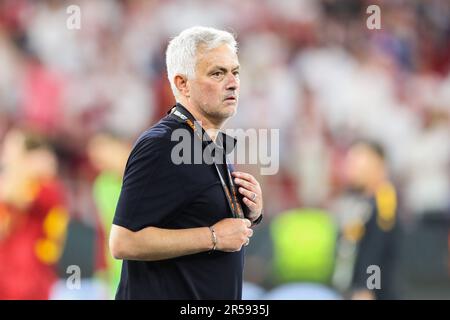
[215,89]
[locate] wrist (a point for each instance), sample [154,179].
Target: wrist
[257,219]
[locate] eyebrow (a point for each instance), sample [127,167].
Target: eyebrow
[223,69]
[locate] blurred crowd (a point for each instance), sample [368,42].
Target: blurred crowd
[72,102]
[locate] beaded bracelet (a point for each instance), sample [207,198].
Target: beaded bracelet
[214,238]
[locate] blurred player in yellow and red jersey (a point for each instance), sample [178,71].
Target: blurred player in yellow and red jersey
[33,217]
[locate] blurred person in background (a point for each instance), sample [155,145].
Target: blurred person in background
[375,229]
[106,190]
[33,217]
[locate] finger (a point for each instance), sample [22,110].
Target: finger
[245,176]
[250,204]
[249,194]
[250,233]
[248,223]
[245,184]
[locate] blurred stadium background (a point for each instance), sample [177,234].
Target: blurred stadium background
[73,101]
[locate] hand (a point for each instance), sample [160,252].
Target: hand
[251,190]
[232,234]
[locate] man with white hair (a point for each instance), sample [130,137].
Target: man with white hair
[180,227]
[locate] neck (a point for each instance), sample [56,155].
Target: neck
[211,126]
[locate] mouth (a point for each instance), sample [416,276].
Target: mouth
[231,98]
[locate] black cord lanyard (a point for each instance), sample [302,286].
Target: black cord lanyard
[232,199]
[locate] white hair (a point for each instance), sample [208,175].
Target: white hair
[181,52]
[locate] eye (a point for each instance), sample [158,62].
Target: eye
[217,74]
[236,73]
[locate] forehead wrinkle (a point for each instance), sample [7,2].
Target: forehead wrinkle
[212,62]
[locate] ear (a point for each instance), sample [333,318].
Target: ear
[181,82]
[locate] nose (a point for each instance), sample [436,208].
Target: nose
[232,82]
